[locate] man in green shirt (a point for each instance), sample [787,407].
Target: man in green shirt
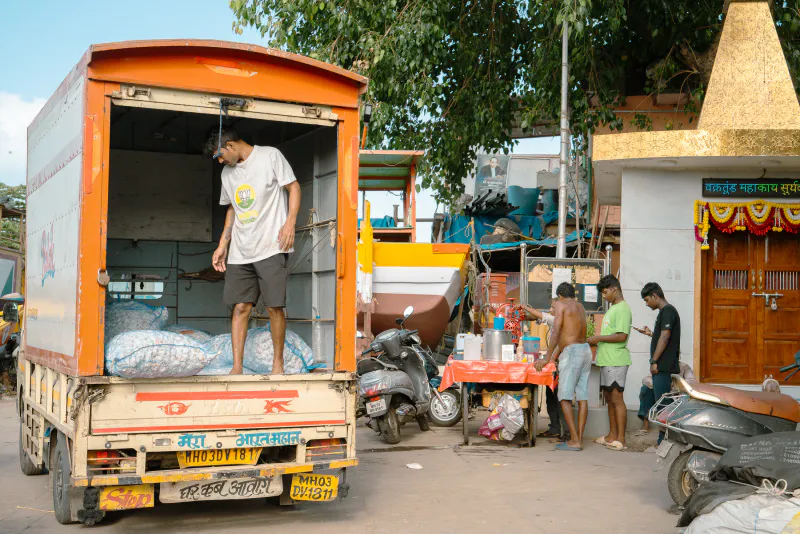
[613,358]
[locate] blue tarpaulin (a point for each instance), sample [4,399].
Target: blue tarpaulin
[459,232]
[573,236]
[384,222]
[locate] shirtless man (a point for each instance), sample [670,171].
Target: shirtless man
[574,363]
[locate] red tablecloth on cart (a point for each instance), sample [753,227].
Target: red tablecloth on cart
[496,372]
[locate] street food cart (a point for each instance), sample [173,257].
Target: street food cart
[483,376]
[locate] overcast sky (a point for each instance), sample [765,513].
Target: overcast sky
[43,40]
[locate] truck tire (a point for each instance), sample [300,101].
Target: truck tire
[61,481]
[390,426]
[680,482]
[25,463]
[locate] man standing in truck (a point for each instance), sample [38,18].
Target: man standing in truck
[258,235]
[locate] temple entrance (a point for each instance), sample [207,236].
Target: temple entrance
[750,306]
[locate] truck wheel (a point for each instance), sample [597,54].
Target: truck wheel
[680,482]
[390,426]
[61,481]
[25,463]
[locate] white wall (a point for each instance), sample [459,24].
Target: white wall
[658,245]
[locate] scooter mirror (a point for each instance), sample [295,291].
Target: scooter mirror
[408,311]
[360,335]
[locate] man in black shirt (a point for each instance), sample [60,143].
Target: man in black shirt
[665,347]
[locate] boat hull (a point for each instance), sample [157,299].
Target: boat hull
[428,277]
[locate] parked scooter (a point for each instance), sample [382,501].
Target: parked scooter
[702,421]
[394,385]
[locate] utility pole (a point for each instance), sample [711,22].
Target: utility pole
[561,248]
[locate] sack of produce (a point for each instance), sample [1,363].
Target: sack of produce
[155,354]
[129,315]
[201,336]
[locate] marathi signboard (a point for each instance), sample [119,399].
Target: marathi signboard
[749,188]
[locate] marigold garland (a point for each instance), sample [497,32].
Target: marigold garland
[757,217]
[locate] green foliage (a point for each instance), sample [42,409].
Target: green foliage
[10,229]
[453,77]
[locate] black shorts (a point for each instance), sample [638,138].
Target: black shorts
[265,279]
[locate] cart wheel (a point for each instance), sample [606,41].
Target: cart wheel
[465,402]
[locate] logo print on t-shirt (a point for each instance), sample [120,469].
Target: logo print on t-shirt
[245,196]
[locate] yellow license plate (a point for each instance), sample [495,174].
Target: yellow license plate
[314,487]
[126,497]
[218,457]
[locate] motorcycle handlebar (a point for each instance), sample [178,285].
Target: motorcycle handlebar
[788,368]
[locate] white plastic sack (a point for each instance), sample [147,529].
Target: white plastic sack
[128,316]
[756,514]
[201,336]
[259,352]
[511,414]
[155,354]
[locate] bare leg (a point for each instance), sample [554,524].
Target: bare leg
[241,317]
[277,327]
[569,418]
[612,420]
[646,424]
[583,415]
[621,414]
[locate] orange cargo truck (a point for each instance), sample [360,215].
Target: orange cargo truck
[122,205]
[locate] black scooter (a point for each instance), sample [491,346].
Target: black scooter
[702,421]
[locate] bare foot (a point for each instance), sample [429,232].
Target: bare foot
[277,370]
[575,443]
[609,438]
[236,371]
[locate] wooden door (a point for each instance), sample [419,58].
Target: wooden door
[778,264]
[729,326]
[743,339]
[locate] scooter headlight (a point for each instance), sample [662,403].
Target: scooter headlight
[370,388]
[416,339]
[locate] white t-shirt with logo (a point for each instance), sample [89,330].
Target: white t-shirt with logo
[260,203]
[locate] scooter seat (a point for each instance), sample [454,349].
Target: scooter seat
[757,402]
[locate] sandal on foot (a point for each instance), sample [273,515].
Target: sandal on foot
[641,432]
[601,440]
[616,446]
[565,447]
[547,434]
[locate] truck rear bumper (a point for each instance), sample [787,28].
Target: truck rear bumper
[212,473]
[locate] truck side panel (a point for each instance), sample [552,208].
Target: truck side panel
[55,168]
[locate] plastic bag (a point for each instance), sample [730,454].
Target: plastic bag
[511,414]
[201,336]
[155,354]
[491,426]
[128,316]
[259,352]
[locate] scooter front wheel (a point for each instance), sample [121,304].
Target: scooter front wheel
[390,426]
[447,412]
[680,481]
